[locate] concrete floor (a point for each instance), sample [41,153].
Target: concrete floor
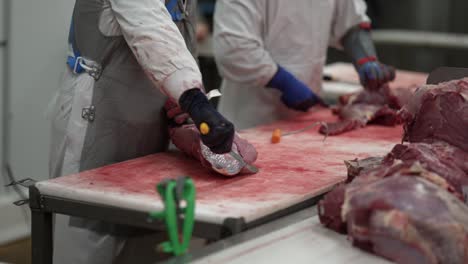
[18,252]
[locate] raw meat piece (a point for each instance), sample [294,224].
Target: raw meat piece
[441,158]
[449,165]
[358,110]
[438,113]
[329,209]
[186,138]
[358,116]
[408,220]
[397,167]
[384,96]
[408,206]
[357,167]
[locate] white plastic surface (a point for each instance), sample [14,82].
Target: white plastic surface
[301,243]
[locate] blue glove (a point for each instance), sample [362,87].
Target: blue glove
[296,95]
[358,44]
[374,74]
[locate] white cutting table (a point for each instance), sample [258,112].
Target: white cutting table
[298,238]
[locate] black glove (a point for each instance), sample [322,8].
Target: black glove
[221,131]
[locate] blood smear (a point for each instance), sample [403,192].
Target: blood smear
[301,166]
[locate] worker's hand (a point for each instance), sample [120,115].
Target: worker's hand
[220,132]
[374,74]
[296,95]
[176,116]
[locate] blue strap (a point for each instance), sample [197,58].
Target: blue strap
[176,15]
[74,61]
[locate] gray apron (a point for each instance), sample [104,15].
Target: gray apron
[112,115]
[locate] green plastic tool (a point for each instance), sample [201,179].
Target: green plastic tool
[178,197]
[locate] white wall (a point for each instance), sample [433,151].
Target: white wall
[38,42]
[2,53]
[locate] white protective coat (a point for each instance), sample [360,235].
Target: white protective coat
[252,37]
[132,102]
[157,44]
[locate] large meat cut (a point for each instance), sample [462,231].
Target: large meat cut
[438,113]
[367,107]
[409,206]
[408,220]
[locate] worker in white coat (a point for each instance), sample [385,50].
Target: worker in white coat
[271,54]
[126,58]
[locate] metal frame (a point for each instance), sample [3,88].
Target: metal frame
[44,206]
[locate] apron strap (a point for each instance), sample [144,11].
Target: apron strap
[74,61]
[177,9]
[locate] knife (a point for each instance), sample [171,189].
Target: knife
[445,74]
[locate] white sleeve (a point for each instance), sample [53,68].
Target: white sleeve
[238,46]
[157,45]
[348,13]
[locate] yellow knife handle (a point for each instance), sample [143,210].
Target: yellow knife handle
[204,129]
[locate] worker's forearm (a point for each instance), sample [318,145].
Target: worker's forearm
[359,45]
[158,45]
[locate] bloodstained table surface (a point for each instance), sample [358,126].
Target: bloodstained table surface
[300,167]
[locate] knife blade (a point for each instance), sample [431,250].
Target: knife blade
[251,168]
[445,74]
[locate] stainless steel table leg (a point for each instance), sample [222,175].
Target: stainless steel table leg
[41,236]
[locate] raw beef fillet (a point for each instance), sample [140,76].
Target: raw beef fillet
[357,167]
[438,113]
[187,139]
[409,205]
[329,209]
[408,220]
[406,216]
[367,107]
[445,160]
[368,171]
